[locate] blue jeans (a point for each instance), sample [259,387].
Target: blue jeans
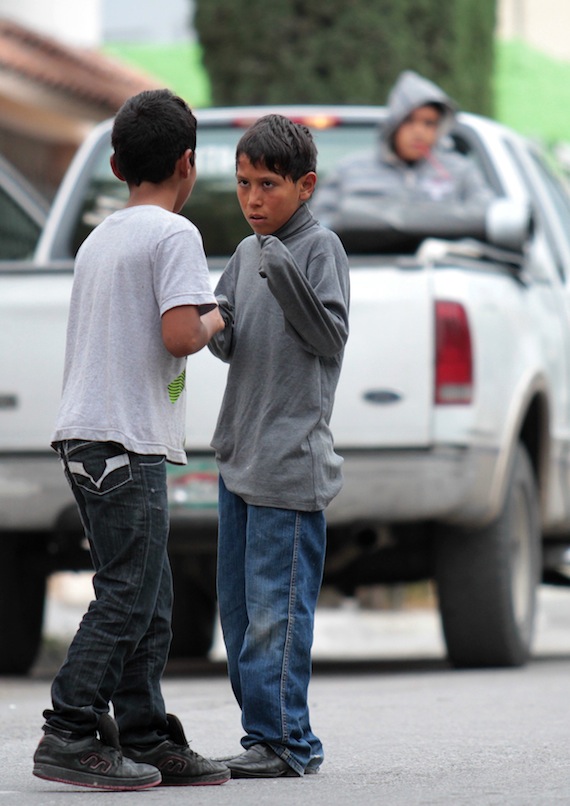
[119,653]
[270,567]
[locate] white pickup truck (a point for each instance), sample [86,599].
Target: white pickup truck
[452,412]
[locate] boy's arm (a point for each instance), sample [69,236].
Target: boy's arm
[318,314]
[222,343]
[185,332]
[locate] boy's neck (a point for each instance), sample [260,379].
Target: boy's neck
[160,195]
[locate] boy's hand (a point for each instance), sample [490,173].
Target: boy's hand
[213,322]
[273,253]
[226,309]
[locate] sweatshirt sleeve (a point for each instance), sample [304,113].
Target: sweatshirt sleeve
[315,306]
[221,344]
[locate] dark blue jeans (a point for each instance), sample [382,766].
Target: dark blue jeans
[120,650]
[270,567]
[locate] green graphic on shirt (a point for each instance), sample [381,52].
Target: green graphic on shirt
[176,387]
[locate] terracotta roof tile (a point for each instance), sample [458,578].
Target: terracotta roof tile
[83,74]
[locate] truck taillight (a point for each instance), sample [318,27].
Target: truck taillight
[453,355]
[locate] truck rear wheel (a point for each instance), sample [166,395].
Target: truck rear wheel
[22,598]
[487,578]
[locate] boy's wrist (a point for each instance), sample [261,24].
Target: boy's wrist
[226,310]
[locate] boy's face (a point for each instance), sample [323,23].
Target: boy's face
[418,134]
[268,200]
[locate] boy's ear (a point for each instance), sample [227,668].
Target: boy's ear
[307,185]
[186,162]
[115,169]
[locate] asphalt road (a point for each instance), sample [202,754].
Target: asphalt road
[400,727]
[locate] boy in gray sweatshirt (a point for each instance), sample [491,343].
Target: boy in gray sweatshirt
[284,297]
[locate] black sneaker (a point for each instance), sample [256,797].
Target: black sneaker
[178,764]
[92,762]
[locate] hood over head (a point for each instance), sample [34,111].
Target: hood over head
[410,92]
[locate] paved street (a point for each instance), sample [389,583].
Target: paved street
[399,726]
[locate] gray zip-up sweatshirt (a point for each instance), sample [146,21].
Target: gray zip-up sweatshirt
[285,299]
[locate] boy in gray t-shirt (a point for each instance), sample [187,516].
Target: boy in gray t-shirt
[141,302]
[284,295]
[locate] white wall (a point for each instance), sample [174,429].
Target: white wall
[88,23]
[544,24]
[157,21]
[74,22]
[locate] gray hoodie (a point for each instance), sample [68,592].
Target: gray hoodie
[443,176]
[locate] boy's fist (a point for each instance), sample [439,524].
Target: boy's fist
[273,253]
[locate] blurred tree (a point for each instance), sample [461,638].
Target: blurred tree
[345,51]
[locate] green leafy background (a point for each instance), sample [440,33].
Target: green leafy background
[532,90]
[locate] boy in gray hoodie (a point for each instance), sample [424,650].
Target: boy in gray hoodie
[411,173]
[284,297]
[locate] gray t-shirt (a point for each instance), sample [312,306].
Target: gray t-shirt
[120,382]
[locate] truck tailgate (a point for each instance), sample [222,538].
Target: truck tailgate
[385,393]
[383,398]
[33,312]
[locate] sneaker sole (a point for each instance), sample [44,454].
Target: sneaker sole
[205,781]
[76,778]
[270,776]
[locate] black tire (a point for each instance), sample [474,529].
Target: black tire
[194,611]
[488,578]
[22,599]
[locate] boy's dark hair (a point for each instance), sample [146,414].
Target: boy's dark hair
[284,147]
[150,133]
[438,107]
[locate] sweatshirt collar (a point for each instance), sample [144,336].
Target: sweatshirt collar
[301,220]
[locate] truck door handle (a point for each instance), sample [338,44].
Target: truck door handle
[382,397]
[8,401]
